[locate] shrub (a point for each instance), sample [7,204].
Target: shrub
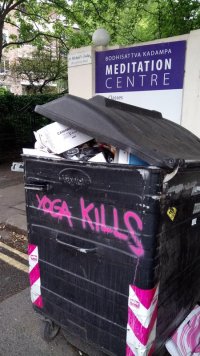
[3,91]
[17,116]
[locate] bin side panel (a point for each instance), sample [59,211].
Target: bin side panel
[179,253]
[96,230]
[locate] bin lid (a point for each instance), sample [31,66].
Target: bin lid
[144,133]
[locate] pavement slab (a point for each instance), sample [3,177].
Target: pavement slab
[12,206]
[12,280]
[21,206]
[21,331]
[12,195]
[7,177]
[18,221]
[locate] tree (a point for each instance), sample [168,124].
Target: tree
[4,91]
[33,21]
[41,69]
[72,22]
[131,21]
[163,18]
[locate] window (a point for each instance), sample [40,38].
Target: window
[4,66]
[5,36]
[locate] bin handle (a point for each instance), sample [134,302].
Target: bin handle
[78,249]
[40,187]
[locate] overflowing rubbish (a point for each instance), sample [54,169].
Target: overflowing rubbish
[90,150]
[124,157]
[59,141]
[57,138]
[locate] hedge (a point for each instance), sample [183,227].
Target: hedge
[18,119]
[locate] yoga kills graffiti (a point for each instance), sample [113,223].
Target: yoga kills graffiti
[93,218]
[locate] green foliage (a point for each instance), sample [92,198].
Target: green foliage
[131,21]
[3,91]
[42,68]
[31,21]
[71,23]
[18,116]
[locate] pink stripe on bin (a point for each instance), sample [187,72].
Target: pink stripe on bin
[139,330]
[31,248]
[142,318]
[129,352]
[34,275]
[39,302]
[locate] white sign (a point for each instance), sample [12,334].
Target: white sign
[79,58]
[149,76]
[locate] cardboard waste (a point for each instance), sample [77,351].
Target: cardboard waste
[59,141]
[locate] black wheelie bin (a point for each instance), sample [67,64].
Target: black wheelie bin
[114,250]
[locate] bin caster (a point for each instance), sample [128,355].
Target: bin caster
[50,330]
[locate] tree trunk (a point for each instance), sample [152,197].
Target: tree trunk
[41,89]
[1,37]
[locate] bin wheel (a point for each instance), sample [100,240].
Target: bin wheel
[50,330]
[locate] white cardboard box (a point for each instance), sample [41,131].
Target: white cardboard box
[59,138]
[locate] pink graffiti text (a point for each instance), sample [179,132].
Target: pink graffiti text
[56,208]
[94,218]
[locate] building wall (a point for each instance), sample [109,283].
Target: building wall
[11,55]
[191,93]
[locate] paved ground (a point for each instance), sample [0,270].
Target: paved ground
[21,330]
[9,178]
[13,267]
[12,205]
[13,271]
